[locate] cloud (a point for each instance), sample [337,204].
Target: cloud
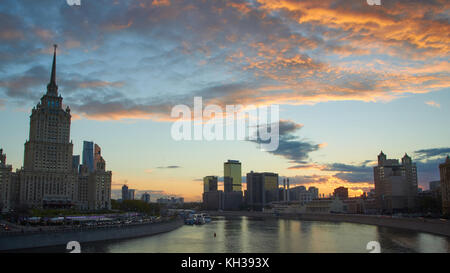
[244,52]
[352,173]
[433,104]
[170,167]
[432,152]
[291,146]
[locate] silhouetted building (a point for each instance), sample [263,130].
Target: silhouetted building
[232,200]
[444,169]
[262,188]
[213,200]
[434,185]
[131,194]
[125,194]
[76,163]
[341,193]
[395,184]
[209,183]
[145,197]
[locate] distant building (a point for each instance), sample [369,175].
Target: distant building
[328,205]
[213,200]
[131,194]
[232,200]
[125,194]
[210,183]
[5,183]
[232,173]
[262,188]
[435,185]
[145,197]
[341,193]
[88,155]
[444,169]
[371,193]
[76,163]
[171,200]
[314,192]
[97,155]
[302,195]
[395,184]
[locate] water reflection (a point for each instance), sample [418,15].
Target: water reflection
[244,234]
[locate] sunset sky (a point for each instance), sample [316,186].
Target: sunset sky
[350,79]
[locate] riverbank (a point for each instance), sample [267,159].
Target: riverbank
[433,226]
[62,237]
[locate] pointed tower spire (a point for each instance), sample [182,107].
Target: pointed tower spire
[52,88]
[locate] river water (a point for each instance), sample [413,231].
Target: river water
[244,234]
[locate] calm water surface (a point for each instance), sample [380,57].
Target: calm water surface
[244,234]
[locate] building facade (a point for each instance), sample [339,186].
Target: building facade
[210,183]
[444,170]
[145,197]
[341,193]
[88,155]
[48,178]
[232,173]
[262,189]
[395,184]
[5,183]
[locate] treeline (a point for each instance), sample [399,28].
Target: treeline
[136,206]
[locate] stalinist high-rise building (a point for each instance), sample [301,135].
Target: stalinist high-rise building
[395,184]
[48,178]
[47,175]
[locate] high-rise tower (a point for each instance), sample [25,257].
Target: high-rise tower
[232,172]
[47,176]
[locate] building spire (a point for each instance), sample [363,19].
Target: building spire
[52,88]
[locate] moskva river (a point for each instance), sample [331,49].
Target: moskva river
[246,234]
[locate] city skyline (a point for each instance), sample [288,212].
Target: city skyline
[386,85]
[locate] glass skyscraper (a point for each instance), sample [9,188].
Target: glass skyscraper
[232,169]
[88,155]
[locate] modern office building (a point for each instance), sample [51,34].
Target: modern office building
[395,184]
[232,173]
[125,194]
[262,188]
[213,200]
[210,183]
[76,163]
[88,155]
[341,193]
[131,194]
[232,200]
[444,170]
[145,197]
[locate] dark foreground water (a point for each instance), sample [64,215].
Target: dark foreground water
[244,234]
